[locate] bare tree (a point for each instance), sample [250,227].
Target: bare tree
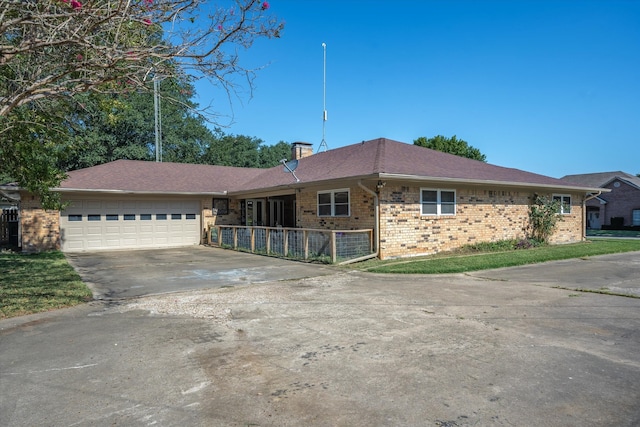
[57,48]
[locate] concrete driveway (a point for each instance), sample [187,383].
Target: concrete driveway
[125,274]
[504,347]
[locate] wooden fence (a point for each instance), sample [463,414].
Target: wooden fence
[329,246]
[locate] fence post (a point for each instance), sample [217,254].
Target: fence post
[252,239]
[267,243]
[235,237]
[285,242]
[334,255]
[305,239]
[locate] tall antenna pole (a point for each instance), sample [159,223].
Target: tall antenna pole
[323,144]
[158,117]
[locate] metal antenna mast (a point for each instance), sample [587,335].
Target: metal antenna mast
[158,117]
[323,144]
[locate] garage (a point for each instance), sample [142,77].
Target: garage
[120,223]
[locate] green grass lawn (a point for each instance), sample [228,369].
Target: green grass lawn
[459,263]
[39,282]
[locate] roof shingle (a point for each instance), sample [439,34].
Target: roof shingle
[378,157]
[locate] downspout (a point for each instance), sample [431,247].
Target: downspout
[584,213]
[376,215]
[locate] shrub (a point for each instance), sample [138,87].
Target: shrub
[543,217]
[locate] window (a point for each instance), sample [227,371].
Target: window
[145,217]
[190,216]
[176,216]
[333,203]
[93,217]
[438,202]
[220,206]
[635,217]
[112,217]
[565,203]
[74,217]
[161,216]
[129,217]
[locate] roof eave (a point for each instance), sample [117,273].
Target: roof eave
[302,184]
[491,182]
[125,192]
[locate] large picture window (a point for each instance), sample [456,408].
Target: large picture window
[333,203]
[635,217]
[437,202]
[565,203]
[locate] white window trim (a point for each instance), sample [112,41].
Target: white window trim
[333,202]
[562,204]
[439,202]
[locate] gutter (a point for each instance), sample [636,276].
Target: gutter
[376,221]
[124,192]
[490,182]
[414,178]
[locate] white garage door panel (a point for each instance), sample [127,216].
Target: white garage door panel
[155,223]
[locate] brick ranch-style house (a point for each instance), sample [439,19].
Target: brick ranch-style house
[620,207]
[417,201]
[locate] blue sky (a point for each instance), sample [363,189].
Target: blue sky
[547,86]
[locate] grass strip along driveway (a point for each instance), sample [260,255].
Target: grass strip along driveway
[39,282]
[449,263]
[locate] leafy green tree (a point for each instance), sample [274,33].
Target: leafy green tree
[29,149]
[234,150]
[270,155]
[54,50]
[451,145]
[122,126]
[244,151]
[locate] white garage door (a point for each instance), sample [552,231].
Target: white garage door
[123,224]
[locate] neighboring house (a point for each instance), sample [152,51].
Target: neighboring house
[617,208]
[417,201]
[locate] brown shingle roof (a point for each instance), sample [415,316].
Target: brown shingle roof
[153,177]
[381,158]
[386,158]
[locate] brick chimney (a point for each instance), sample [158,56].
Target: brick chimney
[301,149]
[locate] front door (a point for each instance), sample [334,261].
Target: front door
[276,212]
[593,219]
[255,212]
